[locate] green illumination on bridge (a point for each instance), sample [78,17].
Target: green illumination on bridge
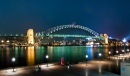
[11,35]
[22,35]
[17,35]
[85,36]
[62,35]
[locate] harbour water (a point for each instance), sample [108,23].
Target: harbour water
[29,56]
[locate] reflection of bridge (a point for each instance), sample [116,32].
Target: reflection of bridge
[56,32]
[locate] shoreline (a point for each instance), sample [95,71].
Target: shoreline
[93,67]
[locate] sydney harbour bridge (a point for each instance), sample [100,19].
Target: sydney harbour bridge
[59,35]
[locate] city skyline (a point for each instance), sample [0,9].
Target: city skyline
[111,17]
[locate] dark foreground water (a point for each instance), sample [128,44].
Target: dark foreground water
[27,56]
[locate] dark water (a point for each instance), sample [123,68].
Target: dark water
[26,56]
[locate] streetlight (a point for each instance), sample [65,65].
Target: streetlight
[124,41]
[2,41]
[86,59]
[123,52]
[13,60]
[109,54]
[117,52]
[128,50]
[7,41]
[128,53]
[100,54]
[47,59]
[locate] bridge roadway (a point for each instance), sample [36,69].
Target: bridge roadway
[52,35]
[71,36]
[58,35]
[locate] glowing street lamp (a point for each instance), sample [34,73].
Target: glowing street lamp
[2,41]
[86,59]
[100,54]
[47,59]
[13,60]
[8,41]
[124,41]
[109,54]
[127,44]
[123,51]
[128,50]
[117,52]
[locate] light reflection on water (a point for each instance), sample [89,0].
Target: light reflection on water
[36,55]
[30,56]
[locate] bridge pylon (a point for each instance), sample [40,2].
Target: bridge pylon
[30,35]
[105,36]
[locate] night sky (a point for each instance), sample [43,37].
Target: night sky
[103,16]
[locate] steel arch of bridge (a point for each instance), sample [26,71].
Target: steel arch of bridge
[57,28]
